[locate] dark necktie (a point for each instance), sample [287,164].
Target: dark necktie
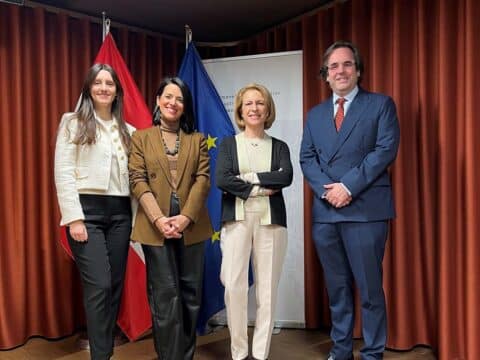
[340,113]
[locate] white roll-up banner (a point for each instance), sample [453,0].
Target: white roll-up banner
[281,73]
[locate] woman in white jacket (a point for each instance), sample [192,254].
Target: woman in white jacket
[91,176]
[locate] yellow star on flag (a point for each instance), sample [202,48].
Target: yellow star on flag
[216,236]
[211,142]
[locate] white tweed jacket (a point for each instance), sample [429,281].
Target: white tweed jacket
[83,168]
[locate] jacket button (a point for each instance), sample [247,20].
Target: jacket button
[153,176]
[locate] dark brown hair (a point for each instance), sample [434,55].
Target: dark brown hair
[86,125]
[342,44]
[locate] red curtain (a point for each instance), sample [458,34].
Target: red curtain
[43,60]
[421,52]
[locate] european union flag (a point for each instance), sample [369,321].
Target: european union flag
[213,121]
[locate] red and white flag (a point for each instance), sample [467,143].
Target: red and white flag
[134,317]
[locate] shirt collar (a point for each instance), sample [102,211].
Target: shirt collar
[349,97]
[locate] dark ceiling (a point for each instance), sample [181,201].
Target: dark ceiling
[210,20]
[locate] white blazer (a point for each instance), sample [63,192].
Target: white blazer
[82,168]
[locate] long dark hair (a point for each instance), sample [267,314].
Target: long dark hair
[87,127]
[187,120]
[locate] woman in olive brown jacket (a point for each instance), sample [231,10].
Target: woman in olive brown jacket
[169,175]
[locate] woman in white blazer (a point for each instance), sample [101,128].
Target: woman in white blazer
[91,176]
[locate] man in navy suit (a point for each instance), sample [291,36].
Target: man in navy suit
[348,143]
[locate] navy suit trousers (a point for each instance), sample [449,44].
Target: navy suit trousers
[353,251]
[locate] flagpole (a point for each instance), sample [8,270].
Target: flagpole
[105,25]
[188,36]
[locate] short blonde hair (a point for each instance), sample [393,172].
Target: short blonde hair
[268,103]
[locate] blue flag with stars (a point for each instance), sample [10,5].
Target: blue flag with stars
[213,121]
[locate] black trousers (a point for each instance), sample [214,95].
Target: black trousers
[102,262]
[174,286]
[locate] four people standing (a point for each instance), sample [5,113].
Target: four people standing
[348,143]
[252,169]
[91,177]
[169,175]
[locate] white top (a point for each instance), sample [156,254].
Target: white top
[100,168]
[254,156]
[119,160]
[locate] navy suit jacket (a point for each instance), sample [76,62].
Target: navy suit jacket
[358,156]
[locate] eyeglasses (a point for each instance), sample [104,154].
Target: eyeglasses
[345,64]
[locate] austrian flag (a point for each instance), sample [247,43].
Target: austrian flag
[134,316]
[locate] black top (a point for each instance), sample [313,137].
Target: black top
[279,176]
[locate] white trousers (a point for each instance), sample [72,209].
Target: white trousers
[267,244]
